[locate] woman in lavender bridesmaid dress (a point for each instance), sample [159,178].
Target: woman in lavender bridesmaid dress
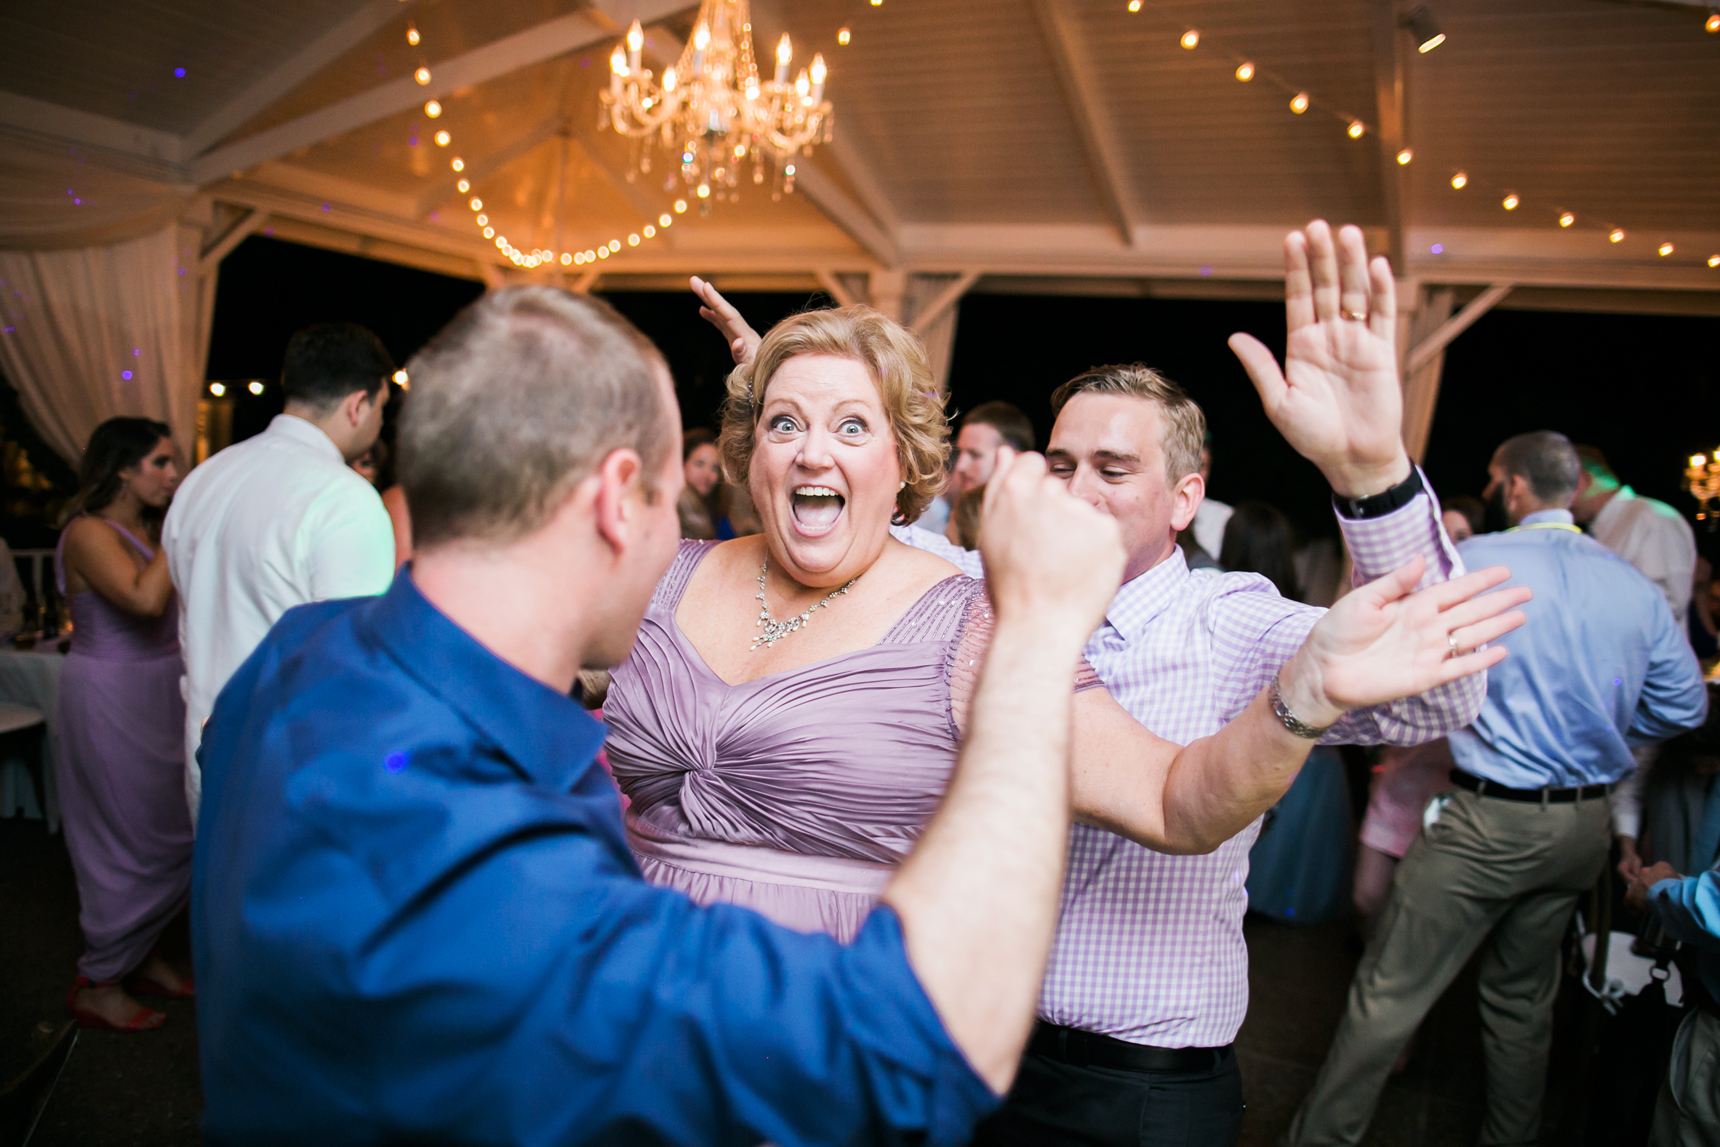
[121,726]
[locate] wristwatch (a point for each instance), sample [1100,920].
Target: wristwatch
[1295,724]
[1379,505]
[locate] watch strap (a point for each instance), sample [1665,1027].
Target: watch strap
[1381,504]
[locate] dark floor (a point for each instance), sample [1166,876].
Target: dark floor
[142,1088]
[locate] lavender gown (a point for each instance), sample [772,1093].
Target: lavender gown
[798,793]
[121,772]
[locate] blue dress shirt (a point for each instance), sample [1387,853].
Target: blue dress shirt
[1690,909]
[416,919]
[1599,667]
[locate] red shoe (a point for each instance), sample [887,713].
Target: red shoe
[145,986]
[145,1020]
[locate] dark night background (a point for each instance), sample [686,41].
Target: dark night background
[1642,388]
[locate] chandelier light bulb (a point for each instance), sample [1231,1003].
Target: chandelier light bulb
[784,50]
[1617,235]
[843,35]
[1299,103]
[635,37]
[819,71]
[457,163]
[1510,202]
[618,61]
[701,38]
[1665,249]
[1404,156]
[1190,38]
[803,85]
[1566,219]
[1356,129]
[411,34]
[1245,72]
[422,75]
[1459,181]
[669,79]
[443,139]
[432,109]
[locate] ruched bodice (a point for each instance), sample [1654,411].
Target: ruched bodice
[102,629]
[797,792]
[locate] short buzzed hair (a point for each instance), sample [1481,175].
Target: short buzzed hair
[516,401]
[1185,423]
[1014,427]
[1595,462]
[1546,460]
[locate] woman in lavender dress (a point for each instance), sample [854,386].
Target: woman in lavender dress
[121,759]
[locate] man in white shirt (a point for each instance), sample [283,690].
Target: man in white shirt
[1645,532]
[280,519]
[1212,515]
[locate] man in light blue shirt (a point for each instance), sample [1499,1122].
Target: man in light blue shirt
[1688,1110]
[1600,667]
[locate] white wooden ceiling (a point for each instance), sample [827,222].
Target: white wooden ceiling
[1051,141]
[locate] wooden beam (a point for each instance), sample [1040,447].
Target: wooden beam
[534,45]
[485,166]
[1421,386]
[155,154]
[585,282]
[1388,131]
[834,288]
[944,300]
[1454,326]
[1100,144]
[298,68]
[243,228]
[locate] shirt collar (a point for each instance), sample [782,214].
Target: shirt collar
[306,433]
[547,735]
[1145,596]
[1563,517]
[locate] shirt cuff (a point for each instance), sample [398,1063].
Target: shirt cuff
[1380,545]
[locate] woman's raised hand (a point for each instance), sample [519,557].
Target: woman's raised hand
[1381,642]
[714,309]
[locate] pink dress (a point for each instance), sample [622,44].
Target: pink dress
[798,793]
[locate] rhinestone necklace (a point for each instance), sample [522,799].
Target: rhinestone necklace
[775,631]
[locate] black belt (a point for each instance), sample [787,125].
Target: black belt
[1082,1048]
[1494,789]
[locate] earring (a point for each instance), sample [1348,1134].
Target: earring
[902,486]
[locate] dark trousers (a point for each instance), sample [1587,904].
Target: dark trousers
[1055,1104]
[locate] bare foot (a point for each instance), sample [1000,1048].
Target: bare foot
[159,970]
[112,1003]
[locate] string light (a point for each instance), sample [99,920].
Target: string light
[422,75]
[1134,5]
[1712,23]
[217,389]
[1190,38]
[443,139]
[464,186]
[255,388]
[843,35]
[1459,181]
[1299,103]
[1566,219]
[649,231]
[489,231]
[477,204]
[432,109]
[680,206]
[1356,129]
[633,239]
[665,219]
[1665,250]
[566,258]
[1404,156]
[1714,260]
[411,34]
[1510,202]
[457,163]
[1617,235]
[1245,72]
[402,380]
[615,244]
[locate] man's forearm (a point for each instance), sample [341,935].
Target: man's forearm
[978,897]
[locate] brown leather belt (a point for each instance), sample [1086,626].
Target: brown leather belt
[1083,1049]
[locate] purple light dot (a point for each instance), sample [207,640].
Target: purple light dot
[179,72]
[325,207]
[412,140]
[9,330]
[182,272]
[136,352]
[1206,270]
[435,215]
[125,374]
[69,191]
[269,231]
[395,761]
[1438,248]
[1618,680]
[77,203]
[585,63]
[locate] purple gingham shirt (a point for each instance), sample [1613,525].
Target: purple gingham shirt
[1149,947]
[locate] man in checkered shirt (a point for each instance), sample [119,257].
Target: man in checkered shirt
[1148,980]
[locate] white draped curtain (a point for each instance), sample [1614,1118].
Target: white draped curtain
[94,332]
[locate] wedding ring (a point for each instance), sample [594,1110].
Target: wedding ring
[1451,638]
[1355,316]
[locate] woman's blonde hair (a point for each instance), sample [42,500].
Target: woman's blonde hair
[895,359]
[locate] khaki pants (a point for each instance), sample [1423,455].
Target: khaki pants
[1688,1113]
[1490,871]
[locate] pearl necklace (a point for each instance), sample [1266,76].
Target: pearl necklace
[775,631]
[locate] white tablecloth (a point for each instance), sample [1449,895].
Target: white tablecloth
[31,679]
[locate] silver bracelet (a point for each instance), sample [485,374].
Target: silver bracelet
[1296,725]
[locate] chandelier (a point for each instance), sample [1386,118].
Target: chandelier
[1702,479]
[710,113]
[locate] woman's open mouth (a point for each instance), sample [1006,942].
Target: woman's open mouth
[815,509]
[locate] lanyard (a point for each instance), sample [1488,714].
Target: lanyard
[1547,526]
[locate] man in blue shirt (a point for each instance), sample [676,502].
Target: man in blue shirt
[415,917]
[1600,667]
[1688,1111]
